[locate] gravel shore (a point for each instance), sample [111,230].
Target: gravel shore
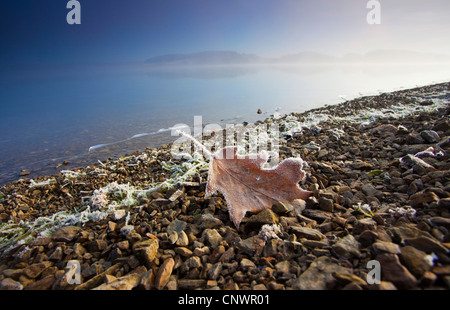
[379,170]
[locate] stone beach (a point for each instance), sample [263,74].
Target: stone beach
[381,186]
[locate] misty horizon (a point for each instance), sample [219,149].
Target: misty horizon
[387,57]
[304,57]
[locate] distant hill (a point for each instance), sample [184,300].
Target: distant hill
[235,58]
[206,58]
[306,57]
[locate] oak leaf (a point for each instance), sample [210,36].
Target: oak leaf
[247,186]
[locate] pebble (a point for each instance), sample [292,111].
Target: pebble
[66,233]
[282,208]
[183,239]
[427,244]
[430,136]
[308,233]
[266,216]
[347,247]
[183,251]
[164,273]
[347,278]
[421,198]
[386,247]
[364,224]
[191,284]
[326,204]
[33,271]
[127,282]
[393,271]
[146,249]
[24,172]
[444,203]
[247,264]
[415,260]
[318,275]
[212,237]
[173,237]
[8,284]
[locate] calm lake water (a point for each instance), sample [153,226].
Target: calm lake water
[89,113]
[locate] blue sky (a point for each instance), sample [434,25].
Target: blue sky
[36,32]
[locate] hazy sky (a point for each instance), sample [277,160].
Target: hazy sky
[36,32]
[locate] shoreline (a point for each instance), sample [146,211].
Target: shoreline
[367,204]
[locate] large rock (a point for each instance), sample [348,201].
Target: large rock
[251,245]
[427,244]
[146,250]
[45,283]
[405,231]
[363,225]
[430,136]
[266,216]
[319,273]
[347,247]
[393,271]
[127,282]
[191,284]
[326,204]
[33,271]
[66,233]
[9,284]
[386,247]
[164,272]
[97,245]
[177,226]
[415,260]
[308,233]
[421,198]
[212,237]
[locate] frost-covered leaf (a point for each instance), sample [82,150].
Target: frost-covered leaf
[247,186]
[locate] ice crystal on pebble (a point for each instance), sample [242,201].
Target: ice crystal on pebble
[34,184]
[400,211]
[430,258]
[269,232]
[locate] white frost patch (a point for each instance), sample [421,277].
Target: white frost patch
[269,232]
[39,184]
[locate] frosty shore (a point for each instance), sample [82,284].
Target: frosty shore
[379,170]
